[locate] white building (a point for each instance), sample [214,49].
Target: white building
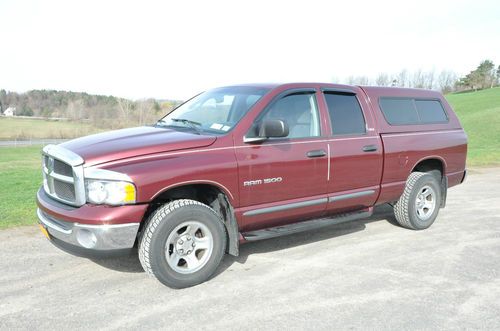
[11,111]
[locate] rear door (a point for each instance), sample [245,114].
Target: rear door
[355,151]
[283,180]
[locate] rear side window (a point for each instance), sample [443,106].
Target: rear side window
[401,111]
[345,112]
[430,111]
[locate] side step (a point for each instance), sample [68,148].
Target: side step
[284,230]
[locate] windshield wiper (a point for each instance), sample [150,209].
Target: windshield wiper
[192,124]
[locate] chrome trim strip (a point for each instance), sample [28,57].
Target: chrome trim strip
[285,207]
[328,174]
[350,195]
[63,154]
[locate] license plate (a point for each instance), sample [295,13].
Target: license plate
[44,231]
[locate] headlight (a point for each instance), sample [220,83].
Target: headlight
[110,192]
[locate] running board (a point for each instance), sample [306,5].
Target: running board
[305,226]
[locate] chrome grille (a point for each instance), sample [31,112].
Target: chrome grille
[63,168]
[63,175]
[64,190]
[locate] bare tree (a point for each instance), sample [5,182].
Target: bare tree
[446,81]
[358,80]
[429,79]
[402,79]
[383,80]
[418,79]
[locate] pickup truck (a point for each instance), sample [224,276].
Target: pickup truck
[250,162]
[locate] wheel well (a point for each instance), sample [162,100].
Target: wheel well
[430,165]
[207,194]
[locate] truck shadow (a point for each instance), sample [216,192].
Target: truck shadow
[381,213]
[131,264]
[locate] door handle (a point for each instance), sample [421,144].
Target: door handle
[316,153]
[369,148]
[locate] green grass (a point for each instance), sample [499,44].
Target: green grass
[23,128]
[21,177]
[20,168]
[479,113]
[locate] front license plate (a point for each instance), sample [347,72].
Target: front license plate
[44,231]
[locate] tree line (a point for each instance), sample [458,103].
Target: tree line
[99,110]
[486,75]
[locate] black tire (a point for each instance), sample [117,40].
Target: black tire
[161,224]
[407,213]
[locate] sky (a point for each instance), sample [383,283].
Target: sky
[175,49]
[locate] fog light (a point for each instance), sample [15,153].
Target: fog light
[86,238]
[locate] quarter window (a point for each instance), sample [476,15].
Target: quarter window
[345,112]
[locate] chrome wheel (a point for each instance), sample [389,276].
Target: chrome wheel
[425,203]
[189,247]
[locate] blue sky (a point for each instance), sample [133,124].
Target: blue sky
[174,49]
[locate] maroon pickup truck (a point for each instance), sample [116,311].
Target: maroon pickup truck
[250,162]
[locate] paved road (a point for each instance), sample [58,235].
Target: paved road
[364,275]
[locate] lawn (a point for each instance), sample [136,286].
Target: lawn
[21,177]
[22,128]
[479,113]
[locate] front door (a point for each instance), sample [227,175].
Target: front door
[284,179]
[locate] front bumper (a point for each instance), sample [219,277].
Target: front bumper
[90,229]
[95,237]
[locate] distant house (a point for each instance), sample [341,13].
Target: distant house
[11,111]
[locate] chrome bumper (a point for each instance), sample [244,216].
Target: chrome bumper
[93,237]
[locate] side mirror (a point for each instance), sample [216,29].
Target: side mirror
[269,129]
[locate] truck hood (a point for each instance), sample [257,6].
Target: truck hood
[121,144]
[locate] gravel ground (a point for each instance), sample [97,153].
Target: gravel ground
[368,274]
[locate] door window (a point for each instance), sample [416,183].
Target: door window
[299,111]
[345,112]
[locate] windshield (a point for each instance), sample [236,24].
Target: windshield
[214,111]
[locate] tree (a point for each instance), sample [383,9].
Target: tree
[383,80]
[25,111]
[446,81]
[483,77]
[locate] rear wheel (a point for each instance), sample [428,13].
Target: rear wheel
[183,243]
[418,206]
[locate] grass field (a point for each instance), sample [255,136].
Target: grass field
[479,113]
[21,177]
[21,128]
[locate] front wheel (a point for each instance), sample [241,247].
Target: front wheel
[418,206]
[183,243]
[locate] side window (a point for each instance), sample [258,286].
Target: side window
[346,114]
[399,111]
[299,111]
[430,111]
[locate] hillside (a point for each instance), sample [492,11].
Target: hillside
[479,113]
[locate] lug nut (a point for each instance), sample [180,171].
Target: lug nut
[189,252]
[181,242]
[193,244]
[181,251]
[188,238]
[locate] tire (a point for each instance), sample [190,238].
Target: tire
[418,206]
[183,243]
